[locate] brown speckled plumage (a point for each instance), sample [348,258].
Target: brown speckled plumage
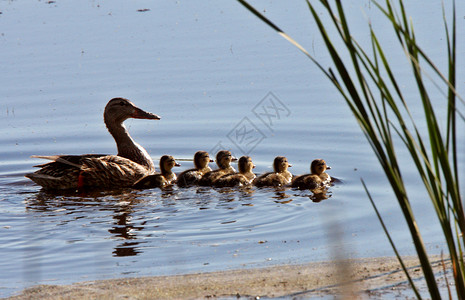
[97,170]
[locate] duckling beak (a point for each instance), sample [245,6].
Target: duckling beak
[328,168]
[289,165]
[141,114]
[233,158]
[253,166]
[177,164]
[211,160]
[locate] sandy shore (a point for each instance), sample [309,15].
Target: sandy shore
[370,277]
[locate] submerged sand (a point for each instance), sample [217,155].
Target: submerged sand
[371,277]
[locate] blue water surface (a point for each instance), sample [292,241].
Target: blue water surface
[219,78]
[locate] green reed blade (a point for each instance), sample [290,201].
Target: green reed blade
[433,152]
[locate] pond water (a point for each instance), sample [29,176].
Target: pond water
[212,71]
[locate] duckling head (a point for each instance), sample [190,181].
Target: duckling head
[201,159]
[224,158]
[118,110]
[280,164]
[167,162]
[245,164]
[318,166]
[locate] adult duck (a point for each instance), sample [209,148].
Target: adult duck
[243,178]
[165,178]
[97,170]
[223,160]
[280,177]
[317,178]
[192,176]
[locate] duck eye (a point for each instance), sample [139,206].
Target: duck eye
[122,103]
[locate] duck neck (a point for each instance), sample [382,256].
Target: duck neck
[168,174]
[249,175]
[127,147]
[204,169]
[165,172]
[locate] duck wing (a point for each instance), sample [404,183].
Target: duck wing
[111,171]
[70,160]
[61,173]
[89,170]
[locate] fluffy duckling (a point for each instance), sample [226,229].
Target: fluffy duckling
[166,177]
[192,176]
[281,176]
[316,179]
[223,160]
[244,177]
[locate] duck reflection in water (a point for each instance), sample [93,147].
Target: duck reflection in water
[123,228]
[69,208]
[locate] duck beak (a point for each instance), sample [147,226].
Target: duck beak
[233,158]
[211,160]
[289,166]
[141,114]
[177,164]
[328,168]
[253,166]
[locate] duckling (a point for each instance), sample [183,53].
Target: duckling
[166,177]
[192,176]
[223,160]
[281,176]
[316,179]
[244,177]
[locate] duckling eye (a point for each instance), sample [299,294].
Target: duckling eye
[122,103]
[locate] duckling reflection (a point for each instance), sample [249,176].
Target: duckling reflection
[280,177]
[318,177]
[320,194]
[243,178]
[223,160]
[167,176]
[192,176]
[281,197]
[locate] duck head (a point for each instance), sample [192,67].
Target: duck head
[245,164]
[280,164]
[167,162]
[120,109]
[201,159]
[224,158]
[318,166]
